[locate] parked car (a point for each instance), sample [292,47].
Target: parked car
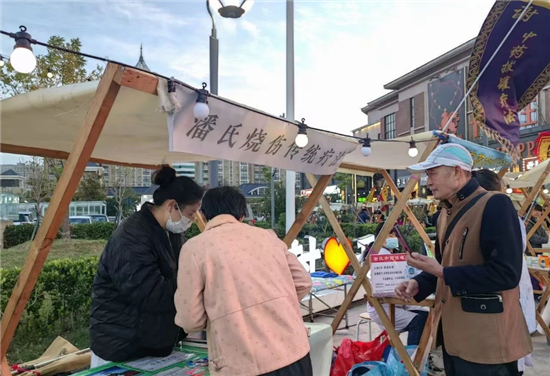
[99,218]
[24,219]
[80,219]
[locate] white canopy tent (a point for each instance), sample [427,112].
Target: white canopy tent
[528,179]
[116,121]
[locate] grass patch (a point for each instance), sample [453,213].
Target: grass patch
[29,347]
[61,249]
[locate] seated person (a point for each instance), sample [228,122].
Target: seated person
[407,319]
[243,285]
[540,236]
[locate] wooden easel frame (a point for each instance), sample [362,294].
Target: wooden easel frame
[361,271]
[530,197]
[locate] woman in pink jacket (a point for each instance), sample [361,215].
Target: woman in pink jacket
[242,285]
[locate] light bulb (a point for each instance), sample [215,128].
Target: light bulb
[247,5]
[23,60]
[301,140]
[50,74]
[413,152]
[509,190]
[545,191]
[366,151]
[201,110]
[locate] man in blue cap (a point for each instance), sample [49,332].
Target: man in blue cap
[475,274]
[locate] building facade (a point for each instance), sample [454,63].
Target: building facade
[426,98]
[185,169]
[114,176]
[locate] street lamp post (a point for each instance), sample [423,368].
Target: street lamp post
[226,9]
[290,175]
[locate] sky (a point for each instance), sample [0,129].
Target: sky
[345,51]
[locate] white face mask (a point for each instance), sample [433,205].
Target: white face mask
[180,226]
[392,243]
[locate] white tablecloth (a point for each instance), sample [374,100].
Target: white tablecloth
[320,342]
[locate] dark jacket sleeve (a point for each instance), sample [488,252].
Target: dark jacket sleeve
[427,283]
[501,244]
[135,272]
[540,236]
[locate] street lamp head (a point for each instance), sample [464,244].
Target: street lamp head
[233,8]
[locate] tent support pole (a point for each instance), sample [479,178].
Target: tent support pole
[409,212]
[83,147]
[303,216]
[502,172]
[200,222]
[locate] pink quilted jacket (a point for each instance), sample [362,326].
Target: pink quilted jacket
[242,285]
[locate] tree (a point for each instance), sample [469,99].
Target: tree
[122,193]
[280,198]
[90,189]
[344,182]
[41,187]
[41,184]
[65,69]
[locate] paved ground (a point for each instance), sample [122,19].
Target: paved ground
[541,353]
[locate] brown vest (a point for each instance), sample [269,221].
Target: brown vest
[479,338]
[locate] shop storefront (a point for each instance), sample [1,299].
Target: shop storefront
[527,147]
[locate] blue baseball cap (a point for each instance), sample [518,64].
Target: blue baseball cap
[450,155]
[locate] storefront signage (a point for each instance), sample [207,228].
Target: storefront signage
[529,163]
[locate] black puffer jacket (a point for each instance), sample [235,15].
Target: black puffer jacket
[133,292]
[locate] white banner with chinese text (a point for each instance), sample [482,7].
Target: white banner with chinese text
[235,133]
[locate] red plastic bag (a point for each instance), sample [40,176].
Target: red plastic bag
[351,353]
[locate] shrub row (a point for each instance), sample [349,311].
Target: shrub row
[63,294]
[15,235]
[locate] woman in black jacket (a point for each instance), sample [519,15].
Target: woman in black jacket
[133,307]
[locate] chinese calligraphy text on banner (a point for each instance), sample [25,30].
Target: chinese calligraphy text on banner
[238,134]
[519,71]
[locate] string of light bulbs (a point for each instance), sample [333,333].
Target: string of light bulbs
[22,60]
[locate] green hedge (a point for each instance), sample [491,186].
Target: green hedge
[14,235]
[62,295]
[93,231]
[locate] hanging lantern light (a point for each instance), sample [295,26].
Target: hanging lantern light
[22,58]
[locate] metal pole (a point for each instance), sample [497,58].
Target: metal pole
[272,198]
[290,175]
[214,67]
